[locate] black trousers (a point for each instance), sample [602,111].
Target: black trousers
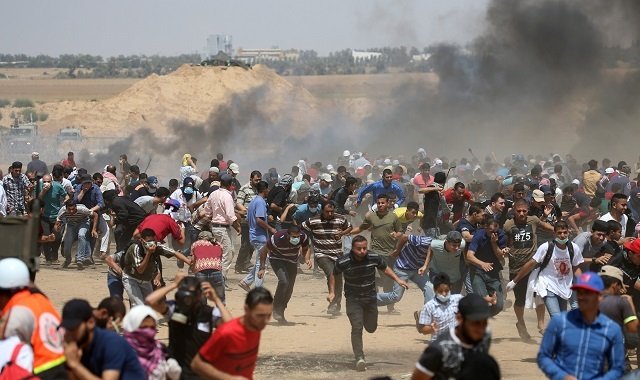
[362,313]
[123,234]
[286,273]
[51,249]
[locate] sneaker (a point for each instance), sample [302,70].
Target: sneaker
[333,310]
[416,316]
[80,265]
[66,264]
[88,262]
[244,286]
[393,311]
[279,317]
[361,365]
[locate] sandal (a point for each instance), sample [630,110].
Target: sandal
[522,331]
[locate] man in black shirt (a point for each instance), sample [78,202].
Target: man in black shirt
[445,358]
[359,271]
[128,215]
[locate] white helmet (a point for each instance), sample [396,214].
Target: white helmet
[13,274]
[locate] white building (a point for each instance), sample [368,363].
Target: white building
[364,55]
[219,43]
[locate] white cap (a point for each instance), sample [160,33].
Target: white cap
[326,177]
[346,153]
[36,154]
[13,274]
[609,171]
[214,169]
[234,168]
[437,162]
[576,181]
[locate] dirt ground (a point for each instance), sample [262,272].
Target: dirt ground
[315,345]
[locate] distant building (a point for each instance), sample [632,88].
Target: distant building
[219,43]
[252,56]
[364,55]
[420,57]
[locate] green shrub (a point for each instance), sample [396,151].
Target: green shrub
[4,103]
[23,103]
[42,116]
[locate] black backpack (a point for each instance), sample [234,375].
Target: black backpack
[547,256]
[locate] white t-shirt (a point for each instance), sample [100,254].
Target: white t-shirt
[557,276]
[146,202]
[607,217]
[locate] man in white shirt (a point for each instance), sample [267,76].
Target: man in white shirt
[617,212]
[556,266]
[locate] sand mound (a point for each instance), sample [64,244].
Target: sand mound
[189,94]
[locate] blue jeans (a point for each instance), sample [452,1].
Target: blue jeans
[252,276]
[116,288]
[215,278]
[555,304]
[79,232]
[395,295]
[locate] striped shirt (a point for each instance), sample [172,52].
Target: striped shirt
[360,276]
[324,233]
[81,216]
[414,253]
[443,314]
[282,249]
[572,346]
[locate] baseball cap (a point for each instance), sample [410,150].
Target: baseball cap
[611,271]
[589,281]
[633,246]
[538,195]
[226,179]
[234,168]
[326,177]
[609,171]
[214,169]
[474,308]
[35,154]
[576,182]
[346,153]
[546,190]
[74,313]
[153,181]
[86,178]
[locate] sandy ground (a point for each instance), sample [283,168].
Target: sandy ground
[315,345]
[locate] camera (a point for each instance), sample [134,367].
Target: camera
[188,297]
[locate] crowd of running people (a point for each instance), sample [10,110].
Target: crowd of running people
[559,234]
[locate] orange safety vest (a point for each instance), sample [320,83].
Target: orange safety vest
[46,340]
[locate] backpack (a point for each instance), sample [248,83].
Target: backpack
[547,256]
[12,371]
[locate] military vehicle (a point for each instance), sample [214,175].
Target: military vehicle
[69,134]
[222,59]
[21,137]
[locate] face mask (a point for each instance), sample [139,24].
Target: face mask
[313,209]
[188,190]
[294,240]
[443,298]
[561,241]
[150,244]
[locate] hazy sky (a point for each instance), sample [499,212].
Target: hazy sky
[168,27]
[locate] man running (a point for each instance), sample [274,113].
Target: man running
[359,271]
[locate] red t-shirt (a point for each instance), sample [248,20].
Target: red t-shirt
[458,204]
[162,225]
[232,349]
